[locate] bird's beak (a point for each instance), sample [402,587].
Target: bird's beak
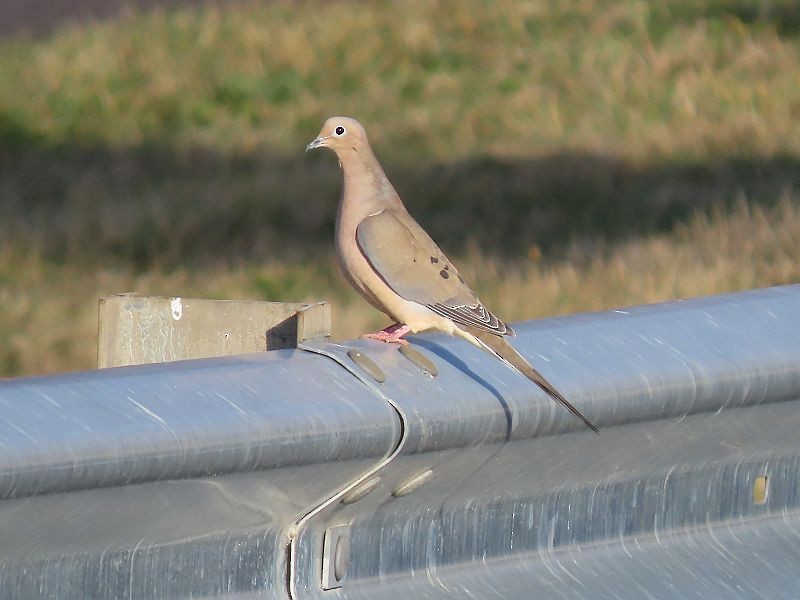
[316,143]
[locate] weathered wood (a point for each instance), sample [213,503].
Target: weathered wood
[136,329]
[313,321]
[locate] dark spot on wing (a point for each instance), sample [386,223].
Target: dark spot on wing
[434,260]
[444,274]
[447,267]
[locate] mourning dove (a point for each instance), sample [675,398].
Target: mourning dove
[398,268]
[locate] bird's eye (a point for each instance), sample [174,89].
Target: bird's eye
[339,130]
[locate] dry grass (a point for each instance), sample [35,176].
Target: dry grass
[49,321]
[162,153]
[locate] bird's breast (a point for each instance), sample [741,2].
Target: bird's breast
[354,266]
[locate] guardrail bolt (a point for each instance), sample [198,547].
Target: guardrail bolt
[420,360]
[358,492]
[760,490]
[413,483]
[366,363]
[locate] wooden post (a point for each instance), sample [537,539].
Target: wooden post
[136,330]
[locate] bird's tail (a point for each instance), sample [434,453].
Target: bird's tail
[498,346]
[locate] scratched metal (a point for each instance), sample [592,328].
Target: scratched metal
[176,480]
[695,401]
[191,479]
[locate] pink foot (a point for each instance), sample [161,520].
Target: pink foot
[392,334]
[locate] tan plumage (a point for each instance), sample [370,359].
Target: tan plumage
[398,268]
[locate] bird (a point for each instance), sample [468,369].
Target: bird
[396,266]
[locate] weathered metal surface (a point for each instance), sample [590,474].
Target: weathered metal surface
[696,402]
[221,478]
[173,480]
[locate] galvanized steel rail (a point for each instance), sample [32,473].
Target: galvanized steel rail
[296,473]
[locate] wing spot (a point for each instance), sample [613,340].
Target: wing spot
[444,274]
[434,260]
[447,267]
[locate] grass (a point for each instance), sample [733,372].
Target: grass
[607,152]
[50,315]
[624,78]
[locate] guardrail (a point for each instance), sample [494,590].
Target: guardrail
[297,473]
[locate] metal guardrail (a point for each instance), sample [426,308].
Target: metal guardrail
[284,474]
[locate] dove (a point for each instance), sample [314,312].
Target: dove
[396,266]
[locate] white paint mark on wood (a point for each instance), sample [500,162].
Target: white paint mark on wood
[177,308]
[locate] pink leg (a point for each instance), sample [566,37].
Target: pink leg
[392,334]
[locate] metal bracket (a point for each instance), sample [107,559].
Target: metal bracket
[335,556]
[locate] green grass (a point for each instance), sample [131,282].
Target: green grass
[163,152]
[443,80]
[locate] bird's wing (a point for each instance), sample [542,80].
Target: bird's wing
[409,262]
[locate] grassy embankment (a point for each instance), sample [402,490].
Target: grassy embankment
[570,157]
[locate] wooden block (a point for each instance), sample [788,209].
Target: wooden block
[136,330]
[313,322]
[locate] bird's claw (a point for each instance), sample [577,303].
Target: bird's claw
[391,335]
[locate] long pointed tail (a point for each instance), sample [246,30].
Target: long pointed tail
[498,346]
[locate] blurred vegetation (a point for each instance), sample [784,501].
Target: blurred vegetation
[571,154]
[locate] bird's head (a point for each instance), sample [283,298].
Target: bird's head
[340,134]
